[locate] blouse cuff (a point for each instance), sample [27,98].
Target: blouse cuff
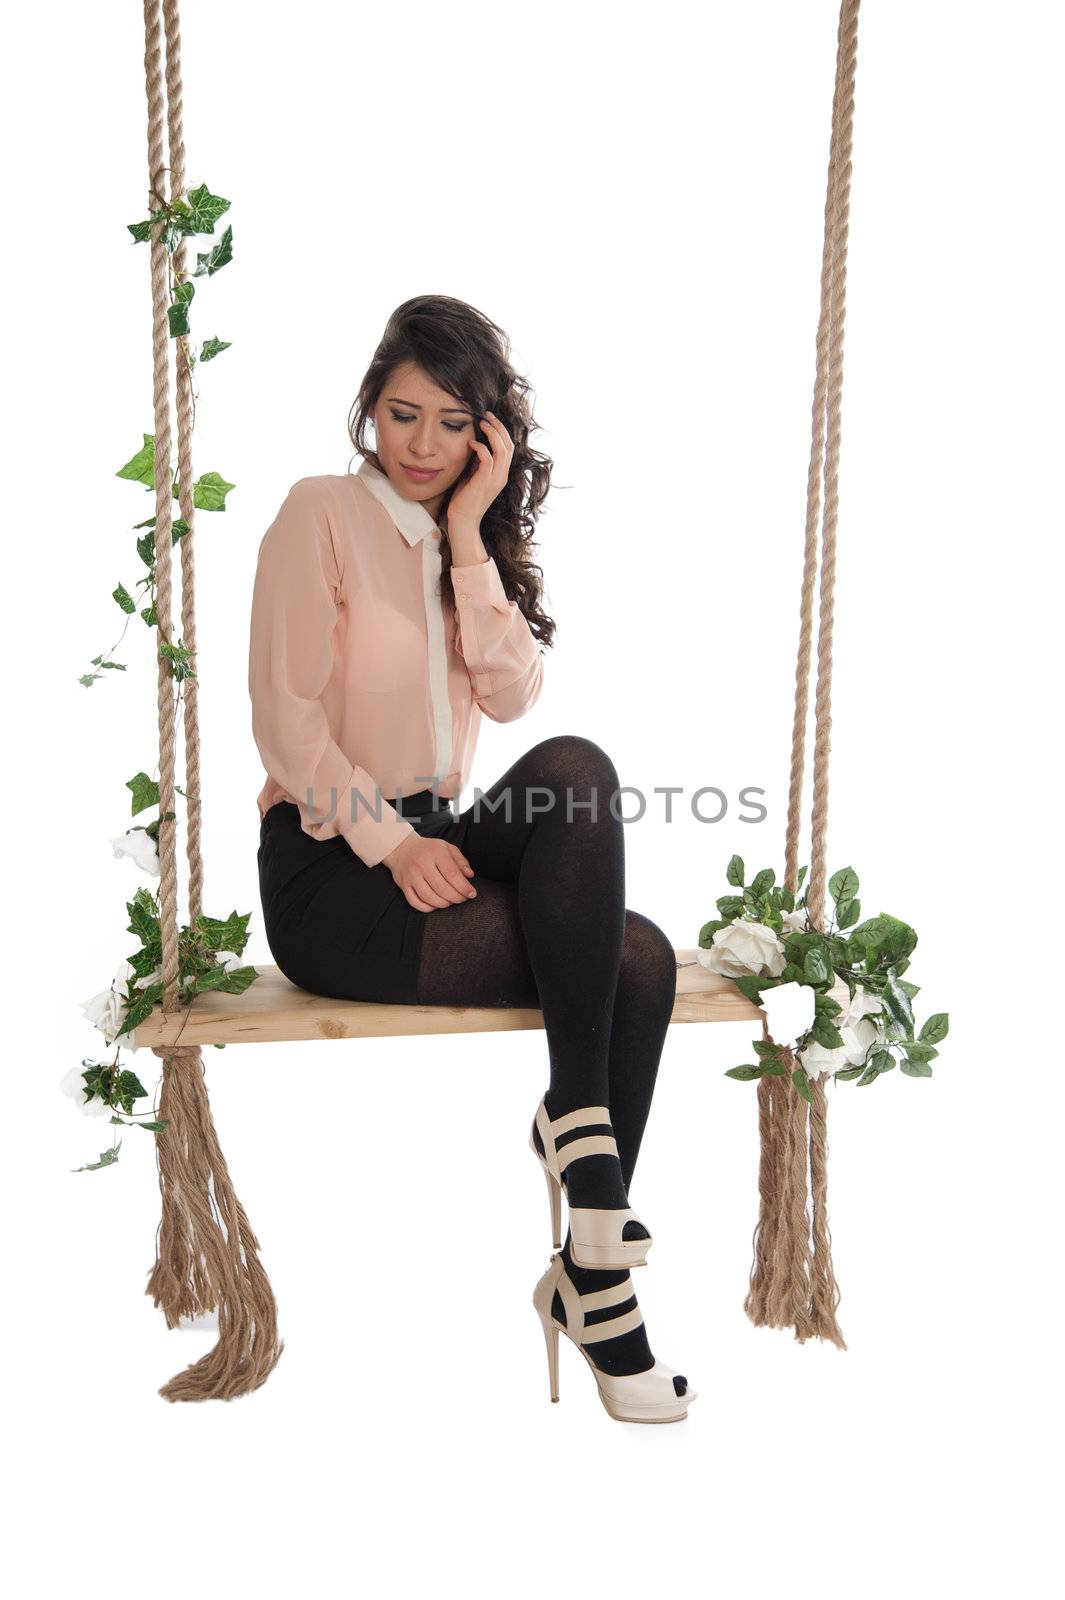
[479,584]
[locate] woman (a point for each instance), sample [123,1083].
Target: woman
[391,608]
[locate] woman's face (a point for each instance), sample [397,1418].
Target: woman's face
[419,425]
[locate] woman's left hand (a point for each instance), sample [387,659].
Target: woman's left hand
[471,500]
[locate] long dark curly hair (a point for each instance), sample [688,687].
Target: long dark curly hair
[467,355]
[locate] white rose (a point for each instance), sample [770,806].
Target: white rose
[745,948]
[104,1010]
[794,921]
[228,959]
[856,1027]
[73,1084]
[140,847]
[789,1010]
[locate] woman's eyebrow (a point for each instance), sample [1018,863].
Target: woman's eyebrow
[466,412]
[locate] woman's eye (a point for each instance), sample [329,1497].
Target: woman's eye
[452,427]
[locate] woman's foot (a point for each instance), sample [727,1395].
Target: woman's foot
[627,1352]
[633,1386]
[594,1179]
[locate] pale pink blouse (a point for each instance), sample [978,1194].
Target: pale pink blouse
[366,683]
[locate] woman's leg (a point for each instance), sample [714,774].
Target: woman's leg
[548,826]
[479,953]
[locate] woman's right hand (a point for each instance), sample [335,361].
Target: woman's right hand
[431,872]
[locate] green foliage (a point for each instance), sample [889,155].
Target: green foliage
[199,970]
[870,955]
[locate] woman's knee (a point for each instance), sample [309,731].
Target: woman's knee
[648,959]
[569,760]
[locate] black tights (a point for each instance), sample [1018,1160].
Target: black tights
[549,928]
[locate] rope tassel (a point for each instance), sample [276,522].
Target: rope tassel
[792,1284]
[207,1256]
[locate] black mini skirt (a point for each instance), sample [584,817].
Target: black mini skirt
[334,925]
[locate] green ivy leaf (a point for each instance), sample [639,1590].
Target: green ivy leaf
[824,1033]
[744,1073]
[802,1083]
[751,986]
[220,256]
[815,964]
[141,467]
[734,872]
[935,1028]
[213,347]
[127,1089]
[916,1069]
[897,1004]
[107,1159]
[848,911]
[230,934]
[145,792]
[843,885]
[202,210]
[210,492]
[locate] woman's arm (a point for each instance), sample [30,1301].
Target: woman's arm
[293,616]
[502,654]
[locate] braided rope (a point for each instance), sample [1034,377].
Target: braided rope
[206,1253]
[790,1284]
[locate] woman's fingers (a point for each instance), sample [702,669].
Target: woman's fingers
[447,879]
[426,887]
[457,855]
[437,876]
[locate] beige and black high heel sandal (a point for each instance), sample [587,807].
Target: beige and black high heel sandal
[597,1234]
[661,1394]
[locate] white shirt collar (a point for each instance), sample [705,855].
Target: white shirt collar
[409,516]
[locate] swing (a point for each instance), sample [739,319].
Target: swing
[273,1011]
[206,1252]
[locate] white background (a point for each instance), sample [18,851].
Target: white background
[636,195]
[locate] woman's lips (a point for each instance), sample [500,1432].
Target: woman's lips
[418,474]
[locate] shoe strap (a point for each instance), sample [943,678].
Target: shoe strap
[604,1225]
[612,1327]
[576,1304]
[596,1299]
[587,1116]
[593,1144]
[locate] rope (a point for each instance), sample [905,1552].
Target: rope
[206,1252]
[792,1285]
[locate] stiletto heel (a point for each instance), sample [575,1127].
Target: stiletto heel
[659,1394]
[597,1233]
[551,1340]
[554,1200]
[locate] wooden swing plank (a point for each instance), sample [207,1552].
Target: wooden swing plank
[272,1010]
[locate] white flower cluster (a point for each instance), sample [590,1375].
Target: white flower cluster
[750,948]
[140,847]
[104,1011]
